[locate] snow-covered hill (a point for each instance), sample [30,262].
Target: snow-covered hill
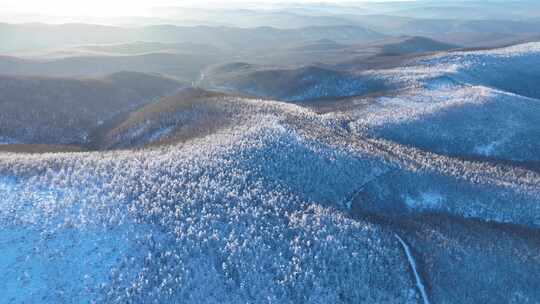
[294,85]
[279,204]
[473,104]
[50,110]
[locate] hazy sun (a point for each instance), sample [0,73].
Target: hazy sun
[102,8]
[112,8]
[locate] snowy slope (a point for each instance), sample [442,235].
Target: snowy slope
[475,104]
[294,85]
[50,110]
[284,205]
[202,218]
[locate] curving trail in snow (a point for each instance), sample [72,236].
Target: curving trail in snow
[412,263]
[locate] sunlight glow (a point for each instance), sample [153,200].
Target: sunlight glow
[118,8]
[101,8]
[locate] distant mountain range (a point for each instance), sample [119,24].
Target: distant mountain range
[27,37]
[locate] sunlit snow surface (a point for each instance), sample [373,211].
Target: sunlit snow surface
[271,209]
[481,103]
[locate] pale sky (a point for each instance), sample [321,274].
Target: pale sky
[114,8]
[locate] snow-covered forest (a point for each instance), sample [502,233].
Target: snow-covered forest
[405,196]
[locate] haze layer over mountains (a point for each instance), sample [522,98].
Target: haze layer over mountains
[280,153]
